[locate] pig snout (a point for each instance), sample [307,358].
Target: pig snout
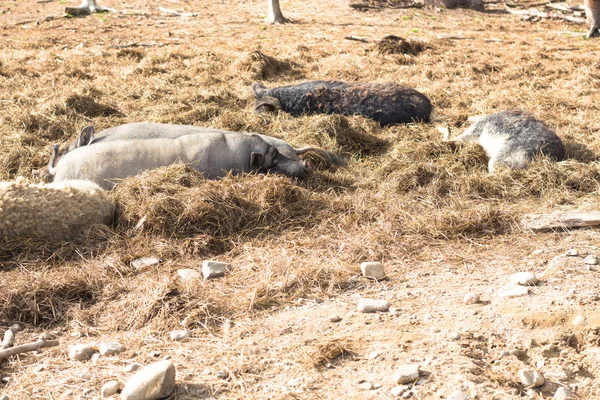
[308,166]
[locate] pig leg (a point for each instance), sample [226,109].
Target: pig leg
[86,7]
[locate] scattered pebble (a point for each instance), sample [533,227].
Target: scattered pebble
[530,378]
[214,269]
[365,386]
[222,374]
[563,393]
[406,373]
[471,298]
[371,306]
[188,274]
[111,348]
[458,395]
[572,253]
[294,382]
[6,380]
[81,352]
[3,397]
[86,375]
[143,263]
[591,260]
[398,390]
[524,278]
[131,367]
[556,376]
[578,319]
[154,381]
[76,334]
[513,291]
[454,336]
[335,318]
[95,357]
[109,388]
[155,353]
[372,270]
[179,335]
[373,355]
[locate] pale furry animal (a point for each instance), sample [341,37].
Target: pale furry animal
[513,139]
[592,11]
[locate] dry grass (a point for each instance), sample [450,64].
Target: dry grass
[405,196]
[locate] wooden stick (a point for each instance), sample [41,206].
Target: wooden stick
[560,221]
[27,347]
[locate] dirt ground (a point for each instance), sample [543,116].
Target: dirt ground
[441,225]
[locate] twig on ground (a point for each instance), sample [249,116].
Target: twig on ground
[175,12]
[11,351]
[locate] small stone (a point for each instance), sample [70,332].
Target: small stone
[214,269]
[556,376]
[154,353]
[471,298]
[454,336]
[406,373]
[563,393]
[67,394]
[530,378]
[143,263]
[76,334]
[372,270]
[179,335]
[572,253]
[81,352]
[111,348]
[373,355]
[188,274]
[365,386]
[513,291]
[458,395]
[131,367]
[222,374]
[95,357]
[371,306]
[39,368]
[578,319]
[85,375]
[591,260]
[531,394]
[524,278]
[3,397]
[335,318]
[6,380]
[294,382]
[152,382]
[398,390]
[376,385]
[109,388]
[393,310]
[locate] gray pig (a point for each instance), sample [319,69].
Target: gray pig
[212,153]
[513,139]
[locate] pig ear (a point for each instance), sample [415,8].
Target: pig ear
[267,104]
[258,89]
[257,159]
[86,136]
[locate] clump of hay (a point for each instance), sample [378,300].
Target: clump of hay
[328,351]
[392,44]
[349,138]
[89,107]
[258,65]
[177,201]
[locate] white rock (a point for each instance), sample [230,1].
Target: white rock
[578,320]
[406,373]
[214,269]
[524,278]
[143,263]
[111,348]
[3,397]
[335,318]
[458,395]
[365,386]
[591,260]
[513,291]
[179,335]
[154,381]
[294,382]
[6,380]
[188,274]
[530,378]
[556,376]
[572,253]
[563,393]
[109,388]
[81,352]
[372,270]
[39,368]
[222,374]
[95,357]
[398,390]
[131,367]
[471,298]
[371,305]
[154,353]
